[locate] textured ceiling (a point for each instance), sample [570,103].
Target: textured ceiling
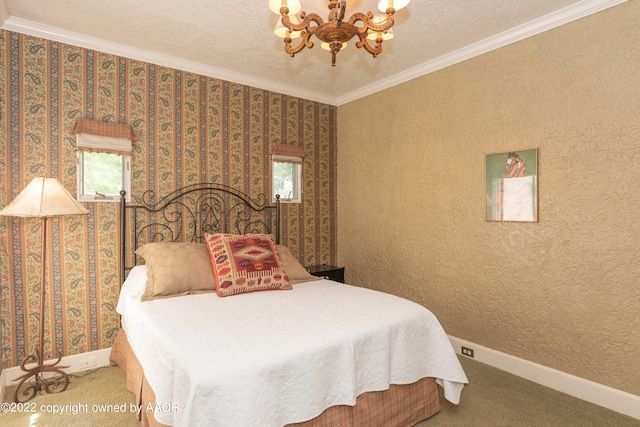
[234,40]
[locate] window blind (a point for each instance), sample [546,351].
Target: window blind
[103,137]
[288,151]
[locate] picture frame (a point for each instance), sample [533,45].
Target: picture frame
[512,186]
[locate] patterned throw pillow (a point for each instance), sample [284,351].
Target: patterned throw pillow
[245,263]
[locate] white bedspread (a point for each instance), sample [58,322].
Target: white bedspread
[277,357]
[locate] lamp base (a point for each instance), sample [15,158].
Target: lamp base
[34,379]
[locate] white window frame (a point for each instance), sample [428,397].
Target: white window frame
[126,179]
[297,162]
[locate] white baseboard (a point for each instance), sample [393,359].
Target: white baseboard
[76,363]
[3,384]
[608,397]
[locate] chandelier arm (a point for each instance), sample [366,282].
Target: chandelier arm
[305,23]
[304,42]
[374,50]
[369,24]
[306,28]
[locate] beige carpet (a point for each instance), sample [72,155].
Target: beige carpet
[92,399]
[494,398]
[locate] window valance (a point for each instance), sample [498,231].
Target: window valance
[288,151]
[104,137]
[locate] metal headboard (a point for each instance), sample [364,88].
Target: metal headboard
[188,213]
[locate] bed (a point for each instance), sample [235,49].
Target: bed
[205,344]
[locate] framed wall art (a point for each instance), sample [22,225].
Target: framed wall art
[512,186]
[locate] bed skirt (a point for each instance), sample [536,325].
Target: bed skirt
[401,405]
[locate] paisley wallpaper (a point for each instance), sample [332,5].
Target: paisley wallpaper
[564,292]
[189,129]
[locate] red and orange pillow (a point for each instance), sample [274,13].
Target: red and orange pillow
[245,263]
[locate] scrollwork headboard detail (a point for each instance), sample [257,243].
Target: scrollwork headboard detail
[186,214]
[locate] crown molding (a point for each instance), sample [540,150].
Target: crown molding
[563,16]
[571,13]
[48,32]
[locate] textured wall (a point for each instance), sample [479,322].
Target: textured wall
[188,128]
[564,292]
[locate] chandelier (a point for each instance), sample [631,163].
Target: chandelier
[334,34]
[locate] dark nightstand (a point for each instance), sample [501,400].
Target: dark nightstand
[326,271]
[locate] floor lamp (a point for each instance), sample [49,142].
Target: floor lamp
[42,198]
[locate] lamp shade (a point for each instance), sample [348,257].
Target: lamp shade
[281,30]
[327,46]
[383,5]
[385,36]
[293,5]
[43,197]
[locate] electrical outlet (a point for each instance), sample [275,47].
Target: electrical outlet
[466,351]
[88,363]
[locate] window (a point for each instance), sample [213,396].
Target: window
[286,173]
[104,160]
[101,176]
[287,178]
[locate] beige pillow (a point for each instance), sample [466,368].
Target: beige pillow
[175,268]
[295,271]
